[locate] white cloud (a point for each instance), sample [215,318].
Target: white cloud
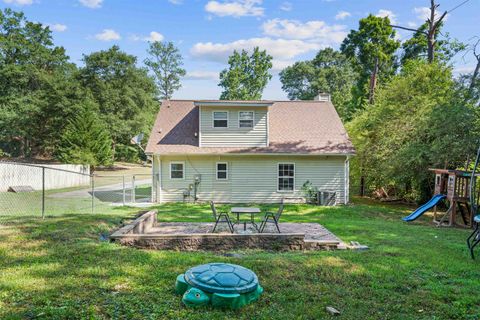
[176,1]
[412,24]
[91,3]
[202,75]
[342,15]
[279,49]
[387,13]
[315,30]
[236,8]
[19,2]
[464,69]
[286,6]
[58,27]
[108,35]
[422,13]
[152,36]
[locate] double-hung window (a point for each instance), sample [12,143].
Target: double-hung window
[286,177]
[245,119]
[220,119]
[222,171]
[177,170]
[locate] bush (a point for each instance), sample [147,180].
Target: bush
[310,192]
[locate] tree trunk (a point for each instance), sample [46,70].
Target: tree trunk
[373,82]
[431,32]
[474,77]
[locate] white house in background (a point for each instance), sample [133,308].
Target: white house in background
[248,151]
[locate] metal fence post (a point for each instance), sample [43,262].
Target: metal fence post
[133,189]
[123,181]
[43,192]
[93,193]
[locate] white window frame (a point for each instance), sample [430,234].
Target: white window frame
[213,119]
[170,167]
[216,171]
[278,176]
[253,119]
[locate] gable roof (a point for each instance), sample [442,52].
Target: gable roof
[295,127]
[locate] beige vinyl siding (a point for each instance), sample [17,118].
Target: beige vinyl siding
[251,178]
[233,136]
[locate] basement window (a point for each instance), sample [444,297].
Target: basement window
[222,171]
[286,177]
[177,170]
[220,119]
[245,119]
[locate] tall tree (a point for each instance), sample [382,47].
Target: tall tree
[372,48]
[418,121]
[246,76]
[86,140]
[330,71]
[125,94]
[38,90]
[166,63]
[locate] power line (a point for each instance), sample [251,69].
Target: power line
[458,6]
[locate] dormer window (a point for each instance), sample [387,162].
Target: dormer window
[245,119]
[220,119]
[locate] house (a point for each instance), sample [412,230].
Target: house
[248,151]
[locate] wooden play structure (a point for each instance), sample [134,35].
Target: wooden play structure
[455,184]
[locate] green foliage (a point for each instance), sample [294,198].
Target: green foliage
[310,192]
[127,153]
[165,62]
[58,268]
[375,38]
[37,87]
[246,76]
[86,140]
[416,123]
[417,46]
[328,72]
[125,94]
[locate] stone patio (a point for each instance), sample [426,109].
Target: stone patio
[146,232]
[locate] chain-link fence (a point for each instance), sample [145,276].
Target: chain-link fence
[46,190]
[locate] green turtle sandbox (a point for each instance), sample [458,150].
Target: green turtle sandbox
[219,284]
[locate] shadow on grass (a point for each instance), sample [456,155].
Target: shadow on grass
[59,268]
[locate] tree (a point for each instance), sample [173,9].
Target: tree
[418,121]
[330,71]
[166,62]
[86,140]
[125,94]
[371,48]
[38,90]
[246,76]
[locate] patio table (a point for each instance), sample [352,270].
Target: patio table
[246,210]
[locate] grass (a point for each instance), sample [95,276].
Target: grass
[61,268]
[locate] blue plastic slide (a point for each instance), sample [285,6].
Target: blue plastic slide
[424,208]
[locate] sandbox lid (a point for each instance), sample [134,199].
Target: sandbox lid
[222,278]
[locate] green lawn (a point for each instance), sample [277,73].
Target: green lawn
[61,268]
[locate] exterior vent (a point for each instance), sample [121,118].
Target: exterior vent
[322,96]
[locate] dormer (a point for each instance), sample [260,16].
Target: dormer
[233,123]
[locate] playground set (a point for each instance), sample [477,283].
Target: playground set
[459,189]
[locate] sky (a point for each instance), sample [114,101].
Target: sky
[207,31]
